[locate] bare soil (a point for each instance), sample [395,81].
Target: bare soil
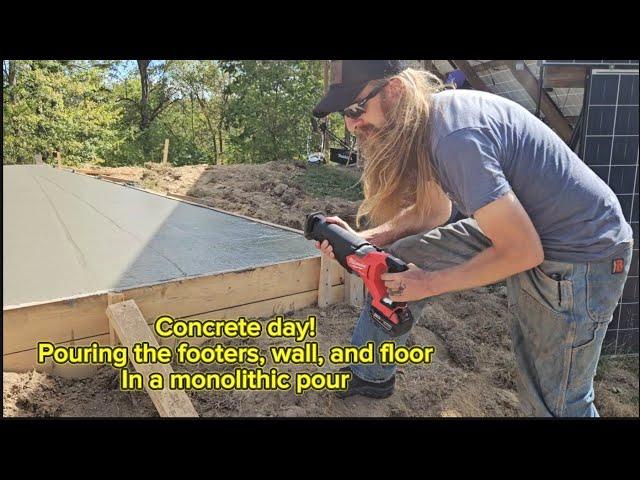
[471,375]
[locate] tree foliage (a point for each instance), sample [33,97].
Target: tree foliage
[120,112]
[57,106]
[270,108]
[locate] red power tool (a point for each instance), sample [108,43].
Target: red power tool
[358,256]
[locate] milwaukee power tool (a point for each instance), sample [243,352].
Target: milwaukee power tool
[358,256]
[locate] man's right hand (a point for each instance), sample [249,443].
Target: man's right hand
[324,247]
[376,238]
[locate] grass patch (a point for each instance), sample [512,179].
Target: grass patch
[330,181]
[615,365]
[629,363]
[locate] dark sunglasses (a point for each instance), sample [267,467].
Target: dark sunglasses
[355,110]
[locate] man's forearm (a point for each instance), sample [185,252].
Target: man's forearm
[516,247]
[406,223]
[396,228]
[487,267]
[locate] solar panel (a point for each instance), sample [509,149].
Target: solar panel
[594,63]
[610,149]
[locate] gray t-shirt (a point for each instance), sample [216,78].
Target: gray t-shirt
[484,145]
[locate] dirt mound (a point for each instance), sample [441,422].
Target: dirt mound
[275,191]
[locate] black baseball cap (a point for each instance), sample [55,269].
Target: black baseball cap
[349,77]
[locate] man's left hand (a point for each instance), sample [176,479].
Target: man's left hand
[410,285]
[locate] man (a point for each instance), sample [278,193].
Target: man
[536,216]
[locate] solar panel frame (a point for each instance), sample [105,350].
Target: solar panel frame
[594,63]
[610,149]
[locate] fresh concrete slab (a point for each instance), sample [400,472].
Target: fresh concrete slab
[66,235]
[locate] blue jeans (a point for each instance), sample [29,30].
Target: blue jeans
[560,314]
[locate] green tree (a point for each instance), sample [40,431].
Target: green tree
[270,105]
[120,112]
[57,106]
[156,94]
[204,101]
[145,92]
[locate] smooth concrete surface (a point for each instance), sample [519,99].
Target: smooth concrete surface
[66,234]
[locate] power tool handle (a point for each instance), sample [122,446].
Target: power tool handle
[344,243]
[395,265]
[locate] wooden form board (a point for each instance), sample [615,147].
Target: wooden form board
[130,326]
[262,291]
[26,360]
[101,176]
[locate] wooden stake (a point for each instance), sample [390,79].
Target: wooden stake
[324,287]
[112,299]
[353,290]
[165,155]
[326,89]
[59,158]
[131,328]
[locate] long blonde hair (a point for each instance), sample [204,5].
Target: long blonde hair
[397,168]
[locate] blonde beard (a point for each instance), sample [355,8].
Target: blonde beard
[368,136]
[369,139]
[364,134]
